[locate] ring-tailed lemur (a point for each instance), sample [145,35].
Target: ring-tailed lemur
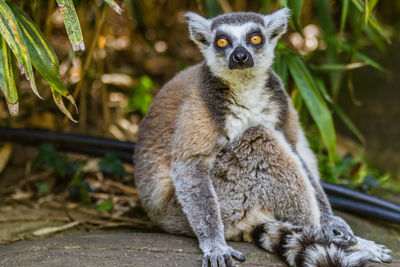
[221,155]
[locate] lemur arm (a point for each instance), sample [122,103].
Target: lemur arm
[192,160]
[333,226]
[310,164]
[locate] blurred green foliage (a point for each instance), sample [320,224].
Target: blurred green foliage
[111,164]
[140,97]
[49,157]
[313,77]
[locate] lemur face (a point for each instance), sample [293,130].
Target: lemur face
[238,42]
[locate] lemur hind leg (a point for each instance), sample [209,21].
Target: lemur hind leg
[302,246]
[259,171]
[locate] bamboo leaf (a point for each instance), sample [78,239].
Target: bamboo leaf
[296,7]
[114,6]
[43,57]
[361,56]
[315,103]
[7,80]
[60,103]
[345,9]
[348,122]
[371,19]
[71,23]
[280,67]
[366,13]
[339,67]
[12,34]
[372,4]
[212,8]
[321,87]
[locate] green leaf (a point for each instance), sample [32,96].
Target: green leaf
[338,67]
[112,164]
[280,67]
[353,128]
[315,103]
[11,32]
[360,5]
[49,157]
[7,80]
[141,97]
[372,4]
[325,17]
[296,7]
[345,9]
[361,56]
[106,206]
[43,58]
[43,188]
[114,6]
[71,23]
[212,8]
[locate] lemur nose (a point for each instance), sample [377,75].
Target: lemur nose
[240,57]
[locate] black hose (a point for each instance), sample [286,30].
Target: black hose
[351,194]
[363,209]
[340,197]
[66,141]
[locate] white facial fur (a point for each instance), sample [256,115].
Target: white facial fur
[274,25]
[247,85]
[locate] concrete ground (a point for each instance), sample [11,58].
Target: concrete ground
[126,247]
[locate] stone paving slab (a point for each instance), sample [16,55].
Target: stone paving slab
[122,248]
[130,248]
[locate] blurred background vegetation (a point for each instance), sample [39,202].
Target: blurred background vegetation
[338,61]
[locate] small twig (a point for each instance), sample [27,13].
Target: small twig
[124,188]
[88,61]
[137,222]
[108,196]
[34,219]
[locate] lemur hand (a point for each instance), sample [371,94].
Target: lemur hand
[338,231]
[219,254]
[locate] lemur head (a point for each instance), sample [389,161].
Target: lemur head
[240,42]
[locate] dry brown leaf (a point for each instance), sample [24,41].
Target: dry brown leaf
[5,154]
[21,195]
[50,230]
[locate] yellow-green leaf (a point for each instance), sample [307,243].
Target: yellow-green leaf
[71,23]
[316,105]
[43,57]
[345,9]
[11,32]
[360,5]
[60,103]
[7,81]
[114,6]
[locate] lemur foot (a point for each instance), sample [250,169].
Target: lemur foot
[337,230]
[374,252]
[221,256]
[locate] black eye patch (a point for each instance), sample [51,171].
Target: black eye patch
[252,33]
[221,35]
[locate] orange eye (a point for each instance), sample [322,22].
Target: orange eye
[222,42]
[256,39]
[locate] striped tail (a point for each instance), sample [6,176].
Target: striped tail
[304,247]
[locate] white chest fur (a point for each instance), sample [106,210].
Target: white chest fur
[252,106]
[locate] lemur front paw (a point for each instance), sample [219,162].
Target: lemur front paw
[337,230]
[374,252]
[220,256]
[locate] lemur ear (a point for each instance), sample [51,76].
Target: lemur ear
[277,23]
[199,29]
